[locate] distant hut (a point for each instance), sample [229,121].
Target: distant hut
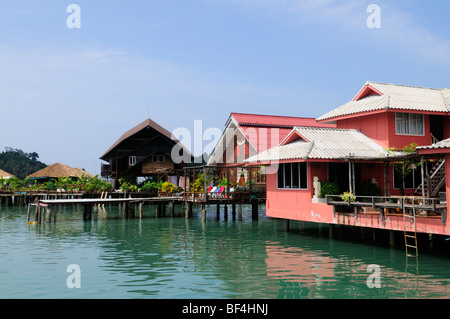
[58,170]
[5,175]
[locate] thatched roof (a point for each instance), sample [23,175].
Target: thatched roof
[59,170]
[5,174]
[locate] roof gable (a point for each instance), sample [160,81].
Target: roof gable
[367,90]
[375,96]
[148,123]
[324,143]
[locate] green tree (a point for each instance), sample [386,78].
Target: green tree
[19,163]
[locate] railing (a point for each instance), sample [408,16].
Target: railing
[417,205]
[234,195]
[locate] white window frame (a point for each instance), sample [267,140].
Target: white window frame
[131,160]
[405,124]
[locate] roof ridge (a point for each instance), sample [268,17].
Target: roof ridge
[404,85]
[270,115]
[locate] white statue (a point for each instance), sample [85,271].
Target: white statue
[317,186]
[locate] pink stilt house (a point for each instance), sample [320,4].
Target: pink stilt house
[364,156]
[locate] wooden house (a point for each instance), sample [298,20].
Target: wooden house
[364,151]
[246,135]
[146,150]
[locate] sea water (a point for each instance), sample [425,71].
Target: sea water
[178,258]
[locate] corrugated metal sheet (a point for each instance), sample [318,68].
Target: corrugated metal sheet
[324,143]
[438,145]
[245,119]
[398,97]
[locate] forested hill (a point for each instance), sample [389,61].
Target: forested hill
[19,163]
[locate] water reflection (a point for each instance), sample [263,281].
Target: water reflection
[309,273]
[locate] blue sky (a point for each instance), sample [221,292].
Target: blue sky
[68,94]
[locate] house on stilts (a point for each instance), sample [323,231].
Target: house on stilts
[246,135]
[389,150]
[147,150]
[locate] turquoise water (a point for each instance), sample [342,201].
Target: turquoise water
[175,258]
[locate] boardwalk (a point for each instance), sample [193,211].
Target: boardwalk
[133,204]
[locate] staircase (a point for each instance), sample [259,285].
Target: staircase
[434,180]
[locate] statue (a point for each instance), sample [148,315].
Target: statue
[317,186]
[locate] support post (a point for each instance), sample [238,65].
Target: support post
[218,212]
[254,210]
[140,209]
[95,212]
[203,213]
[158,209]
[391,238]
[48,216]
[287,225]
[172,208]
[422,172]
[240,212]
[225,212]
[28,212]
[204,183]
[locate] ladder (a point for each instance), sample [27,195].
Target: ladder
[409,230]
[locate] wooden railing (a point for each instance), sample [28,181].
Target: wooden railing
[421,206]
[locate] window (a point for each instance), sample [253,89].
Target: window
[132,160]
[412,180]
[158,158]
[409,124]
[292,175]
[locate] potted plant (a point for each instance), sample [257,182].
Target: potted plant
[328,188]
[346,196]
[167,189]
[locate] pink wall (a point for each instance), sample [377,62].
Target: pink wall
[381,128]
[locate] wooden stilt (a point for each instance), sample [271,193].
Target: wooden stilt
[233,211]
[218,212]
[36,213]
[254,210]
[225,212]
[203,213]
[240,212]
[28,212]
[95,208]
[287,225]
[48,216]
[172,208]
[140,210]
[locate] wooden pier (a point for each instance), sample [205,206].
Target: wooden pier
[44,208]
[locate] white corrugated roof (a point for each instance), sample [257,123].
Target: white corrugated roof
[441,144]
[324,143]
[400,97]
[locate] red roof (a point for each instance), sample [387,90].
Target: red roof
[245,119]
[267,131]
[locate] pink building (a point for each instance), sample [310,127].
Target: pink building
[362,155]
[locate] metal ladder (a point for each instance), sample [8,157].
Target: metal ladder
[409,230]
